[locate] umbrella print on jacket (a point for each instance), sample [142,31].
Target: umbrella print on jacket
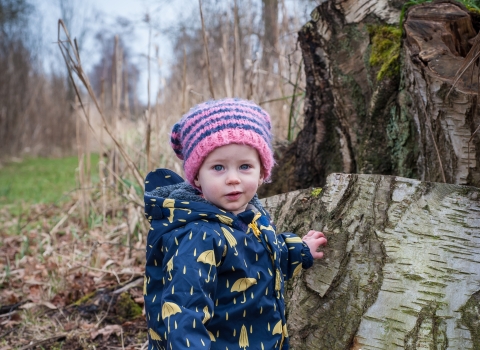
[155,337]
[170,268]
[170,204]
[243,341]
[207,315]
[225,219]
[279,329]
[242,284]
[297,270]
[207,257]
[230,239]
[170,309]
[144,285]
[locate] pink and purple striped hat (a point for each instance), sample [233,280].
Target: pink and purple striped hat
[217,123]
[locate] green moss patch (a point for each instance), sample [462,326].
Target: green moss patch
[126,308]
[385,52]
[316,192]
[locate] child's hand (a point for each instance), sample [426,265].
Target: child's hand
[315,239]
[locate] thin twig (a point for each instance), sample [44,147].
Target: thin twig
[280,98]
[102,270]
[148,112]
[106,313]
[74,65]
[184,81]
[41,342]
[292,104]
[54,230]
[235,43]
[130,285]
[209,71]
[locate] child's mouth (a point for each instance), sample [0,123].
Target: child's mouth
[233,195]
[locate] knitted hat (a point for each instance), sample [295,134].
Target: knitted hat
[217,123]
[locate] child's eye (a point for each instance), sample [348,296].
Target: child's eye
[218,167]
[244,167]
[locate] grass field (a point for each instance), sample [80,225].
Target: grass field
[39,180]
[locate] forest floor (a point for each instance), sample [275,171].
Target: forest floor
[71,274]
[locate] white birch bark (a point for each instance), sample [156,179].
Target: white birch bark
[401,270]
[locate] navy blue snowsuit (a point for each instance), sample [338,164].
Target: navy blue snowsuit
[213,279]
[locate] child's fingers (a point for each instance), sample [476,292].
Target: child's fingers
[314,234]
[317,255]
[322,241]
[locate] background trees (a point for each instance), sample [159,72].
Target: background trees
[251,45]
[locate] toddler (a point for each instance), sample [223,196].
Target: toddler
[215,269]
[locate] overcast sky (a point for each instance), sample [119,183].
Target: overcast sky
[103,15]
[98,15]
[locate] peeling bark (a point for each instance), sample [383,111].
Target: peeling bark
[438,38]
[401,269]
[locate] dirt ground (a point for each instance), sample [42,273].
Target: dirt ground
[78,286]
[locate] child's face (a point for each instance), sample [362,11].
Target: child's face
[229,177]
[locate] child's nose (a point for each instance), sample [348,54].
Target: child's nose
[233,178]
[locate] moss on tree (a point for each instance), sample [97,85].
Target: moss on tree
[385,52]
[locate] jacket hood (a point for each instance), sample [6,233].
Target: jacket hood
[167,194]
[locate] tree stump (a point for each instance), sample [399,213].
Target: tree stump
[376,95]
[401,269]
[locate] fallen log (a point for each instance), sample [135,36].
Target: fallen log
[401,269]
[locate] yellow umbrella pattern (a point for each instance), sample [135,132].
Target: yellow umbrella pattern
[243,341]
[170,309]
[297,270]
[225,219]
[212,337]
[279,329]
[207,257]
[230,239]
[207,315]
[170,204]
[155,337]
[170,268]
[242,284]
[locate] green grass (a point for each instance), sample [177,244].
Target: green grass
[39,180]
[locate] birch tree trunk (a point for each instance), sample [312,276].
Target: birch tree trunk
[376,98]
[401,269]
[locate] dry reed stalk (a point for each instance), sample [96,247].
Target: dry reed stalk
[148,111]
[292,104]
[285,29]
[103,184]
[224,50]
[205,41]
[250,80]
[235,43]
[184,81]
[80,174]
[225,67]
[126,99]
[74,65]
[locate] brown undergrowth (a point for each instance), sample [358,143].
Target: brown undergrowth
[75,286]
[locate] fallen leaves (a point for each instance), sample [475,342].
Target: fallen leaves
[105,332]
[64,282]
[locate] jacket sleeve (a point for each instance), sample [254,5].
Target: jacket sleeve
[295,255]
[189,269]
